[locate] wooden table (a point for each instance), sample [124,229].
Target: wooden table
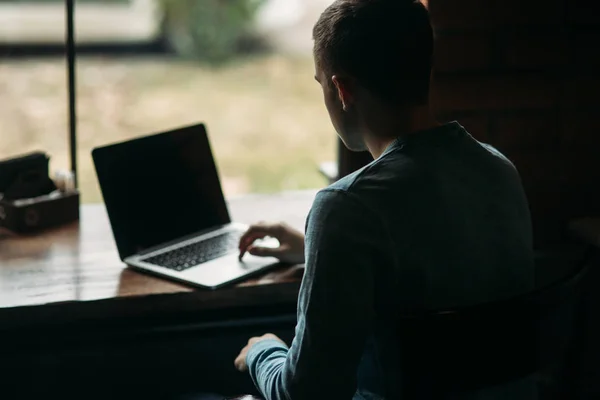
[79,323]
[74,272]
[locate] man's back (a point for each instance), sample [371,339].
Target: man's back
[438,220]
[455,230]
[457,218]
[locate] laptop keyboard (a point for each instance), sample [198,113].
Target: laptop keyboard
[197,253]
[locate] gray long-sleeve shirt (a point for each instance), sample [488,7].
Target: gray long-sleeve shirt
[439,220]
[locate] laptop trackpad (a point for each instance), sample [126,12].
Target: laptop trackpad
[224,270]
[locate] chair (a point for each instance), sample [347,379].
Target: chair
[455,351]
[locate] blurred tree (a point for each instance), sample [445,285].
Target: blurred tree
[209,30]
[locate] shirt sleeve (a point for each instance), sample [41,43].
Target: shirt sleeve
[335,307]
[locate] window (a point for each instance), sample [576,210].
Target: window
[33,80]
[146,66]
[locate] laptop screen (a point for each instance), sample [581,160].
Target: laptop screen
[160,188]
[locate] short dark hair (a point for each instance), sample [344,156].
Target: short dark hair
[376,41]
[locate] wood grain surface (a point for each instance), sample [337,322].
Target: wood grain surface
[78,264]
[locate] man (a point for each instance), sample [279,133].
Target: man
[437,220]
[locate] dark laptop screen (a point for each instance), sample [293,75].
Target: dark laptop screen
[160,188]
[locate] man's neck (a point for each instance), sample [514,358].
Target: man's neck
[388,127]
[378,146]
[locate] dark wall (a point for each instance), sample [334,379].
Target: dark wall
[524,75]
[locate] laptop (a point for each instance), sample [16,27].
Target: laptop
[167,211]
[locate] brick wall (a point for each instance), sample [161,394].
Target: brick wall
[524,75]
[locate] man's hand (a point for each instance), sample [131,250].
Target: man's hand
[240,361]
[291,242]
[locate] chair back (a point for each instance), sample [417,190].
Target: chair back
[455,351]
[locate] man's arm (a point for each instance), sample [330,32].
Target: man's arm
[335,309]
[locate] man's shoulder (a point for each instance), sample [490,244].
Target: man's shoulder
[342,195]
[380,170]
[343,191]
[497,154]
[346,183]
[356,192]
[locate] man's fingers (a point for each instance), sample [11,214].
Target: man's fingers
[262,230]
[258,231]
[240,360]
[247,240]
[240,364]
[265,251]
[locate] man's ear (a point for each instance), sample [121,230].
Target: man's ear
[344,90]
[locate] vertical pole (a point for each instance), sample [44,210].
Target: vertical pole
[70,10]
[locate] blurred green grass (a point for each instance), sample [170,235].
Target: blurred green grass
[268,126]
